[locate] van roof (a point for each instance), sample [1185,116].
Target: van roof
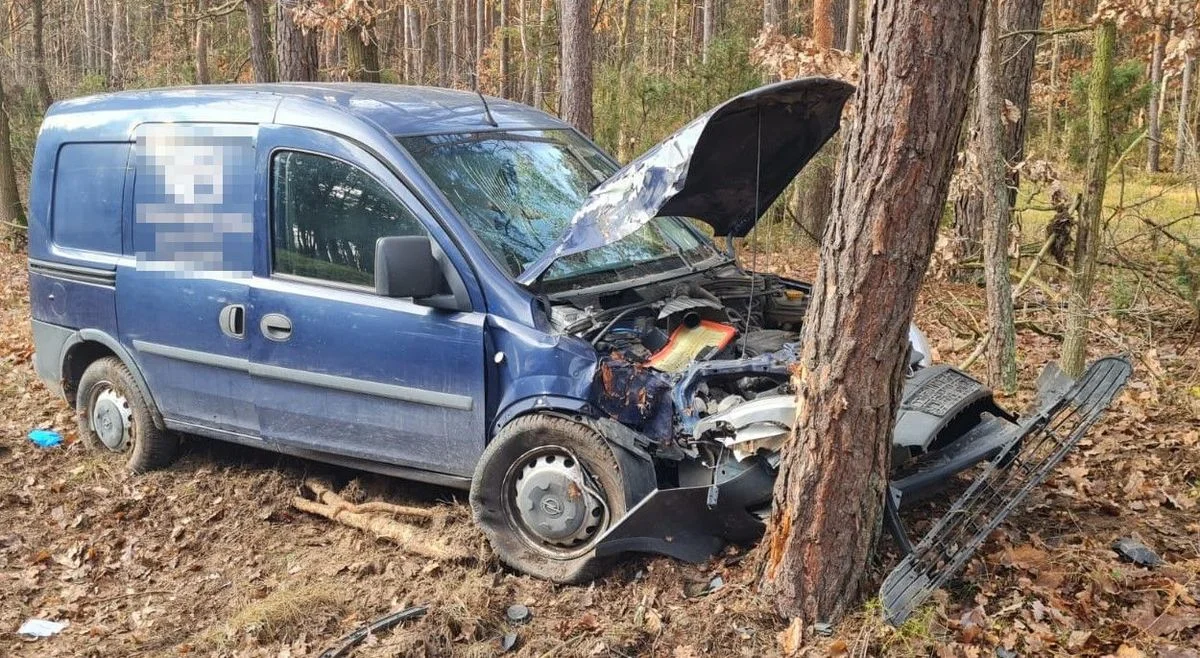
[398,109]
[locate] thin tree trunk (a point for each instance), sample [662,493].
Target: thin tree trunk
[1087,240]
[115,44]
[852,21]
[575,107]
[11,211]
[443,62]
[708,29]
[526,60]
[775,13]
[480,31]
[1162,30]
[260,59]
[295,51]
[39,57]
[812,196]
[892,185]
[1184,148]
[1014,77]
[505,82]
[539,91]
[202,76]
[1001,346]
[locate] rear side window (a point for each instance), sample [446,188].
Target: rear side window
[89,191]
[326,216]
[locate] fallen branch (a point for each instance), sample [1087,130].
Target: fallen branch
[328,496]
[405,536]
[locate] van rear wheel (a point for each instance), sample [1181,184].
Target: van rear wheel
[544,492]
[115,418]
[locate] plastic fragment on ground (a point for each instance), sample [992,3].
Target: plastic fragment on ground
[44,438]
[1136,552]
[41,627]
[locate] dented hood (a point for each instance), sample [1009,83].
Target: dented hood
[711,168]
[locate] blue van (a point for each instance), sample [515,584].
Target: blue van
[453,289]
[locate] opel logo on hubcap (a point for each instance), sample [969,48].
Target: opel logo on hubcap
[551,506]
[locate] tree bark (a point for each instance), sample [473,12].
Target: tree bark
[576,77]
[852,21]
[993,160]
[201,48]
[812,196]
[295,51]
[1162,30]
[116,43]
[775,13]
[260,59]
[1087,237]
[39,57]
[362,54]
[11,211]
[708,29]
[1014,74]
[1184,148]
[505,53]
[892,184]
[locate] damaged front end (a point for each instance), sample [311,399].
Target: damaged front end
[692,378]
[707,390]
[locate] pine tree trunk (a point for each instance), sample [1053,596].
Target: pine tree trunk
[1001,345]
[11,211]
[116,45]
[260,58]
[1014,75]
[201,48]
[892,185]
[295,51]
[443,63]
[39,57]
[480,40]
[812,196]
[575,106]
[1162,29]
[1087,240]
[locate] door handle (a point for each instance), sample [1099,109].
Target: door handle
[233,320]
[276,326]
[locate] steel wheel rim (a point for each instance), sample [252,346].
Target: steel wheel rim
[111,417]
[573,544]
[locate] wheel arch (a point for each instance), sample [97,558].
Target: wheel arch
[90,345]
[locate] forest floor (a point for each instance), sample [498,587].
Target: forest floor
[209,558]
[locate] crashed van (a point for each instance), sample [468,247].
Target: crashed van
[457,290]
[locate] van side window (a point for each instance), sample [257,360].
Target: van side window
[326,216]
[89,184]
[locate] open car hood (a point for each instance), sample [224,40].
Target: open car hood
[724,168]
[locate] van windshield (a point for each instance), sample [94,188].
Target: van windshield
[517,190]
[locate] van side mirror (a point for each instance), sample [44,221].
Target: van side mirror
[405,267]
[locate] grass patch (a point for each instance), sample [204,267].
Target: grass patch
[280,616]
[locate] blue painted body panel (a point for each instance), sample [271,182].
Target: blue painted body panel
[163,305]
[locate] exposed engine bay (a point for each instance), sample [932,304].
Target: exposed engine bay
[702,367]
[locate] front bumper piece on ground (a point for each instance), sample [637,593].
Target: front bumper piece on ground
[694,523]
[1066,411]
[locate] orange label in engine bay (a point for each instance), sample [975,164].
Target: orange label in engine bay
[687,343]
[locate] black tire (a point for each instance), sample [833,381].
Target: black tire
[142,446]
[493,495]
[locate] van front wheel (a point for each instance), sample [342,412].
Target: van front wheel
[544,492]
[114,418]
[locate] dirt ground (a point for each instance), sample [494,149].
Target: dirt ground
[209,557]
